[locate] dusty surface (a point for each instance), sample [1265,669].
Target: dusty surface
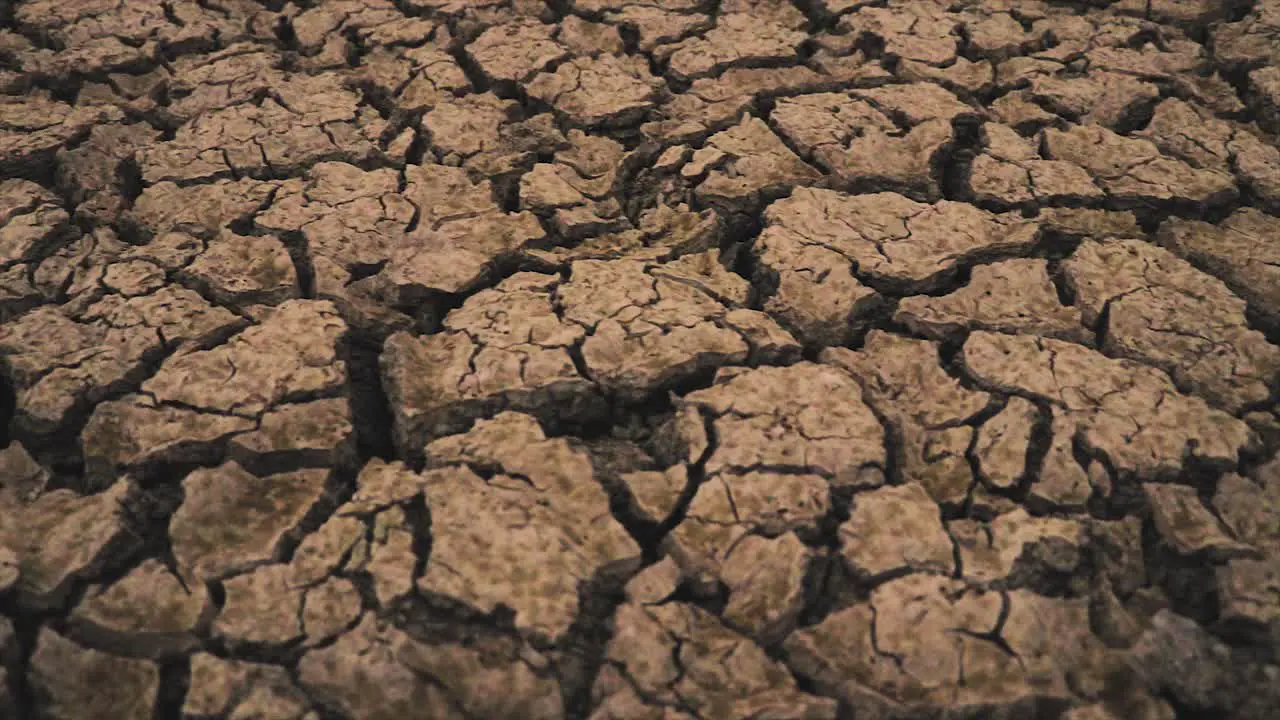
[639,359]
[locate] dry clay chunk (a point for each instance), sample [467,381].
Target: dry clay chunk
[604,90]
[1241,251]
[819,248]
[490,677]
[747,165]
[640,327]
[736,39]
[803,418]
[1125,411]
[60,363]
[675,653]
[232,520]
[1012,296]
[199,398]
[524,538]
[922,645]
[319,120]
[652,325]
[1160,310]
[59,669]
[505,348]
[1133,170]
[904,381]
[62,536]
[860,143]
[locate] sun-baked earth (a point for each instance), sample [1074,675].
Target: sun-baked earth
[639,359]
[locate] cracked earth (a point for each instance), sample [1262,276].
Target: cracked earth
[639,359]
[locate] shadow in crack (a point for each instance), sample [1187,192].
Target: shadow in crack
[8,405]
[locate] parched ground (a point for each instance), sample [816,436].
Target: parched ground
[639,359]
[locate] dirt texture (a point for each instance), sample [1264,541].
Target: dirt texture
[639,359]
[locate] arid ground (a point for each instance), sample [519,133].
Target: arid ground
[639,359]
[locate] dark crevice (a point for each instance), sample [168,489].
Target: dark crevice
[175,680]
[370,408]
[957,160]
[8,407]
[297,246]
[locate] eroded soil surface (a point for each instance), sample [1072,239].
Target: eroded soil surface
[639,359]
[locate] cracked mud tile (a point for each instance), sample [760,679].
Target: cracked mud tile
[1013,296]
[1109,99]
[1250,41]
[538,519]
[505,348]
[862,145]
[577,191]
[516,51]
[320,433]
[919,31]
[663,233]
[1160,310]
[1017,549]
[1191,133]
[91,172]
[235,688]
[584,38]
[307,119]
[61,538]
[654,25]
[379,672]
[1186,525]
[197,400]
[483,133]
[33,225]
[267,513]
[24,478]
[1133,171]
[1000,450]
[148,612]
[762,482]
[106,36]
[1237,251]
[927,409]
[890,241]
[62,361]
[914,542]
[680,658]
[836,435]
[639,328]
[412,79]
[765,488]
[859,142]
[263,609]
[59,668]
[599,91]
[1249,587]
[747,166]
[924,643]
[1011,173]
[33,127]
[1130,414]
[199,210]
[350,220]
[236,75]
[737,39]
[460,235]
[648,327]
[240,271]
[327,33]
[713,104]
